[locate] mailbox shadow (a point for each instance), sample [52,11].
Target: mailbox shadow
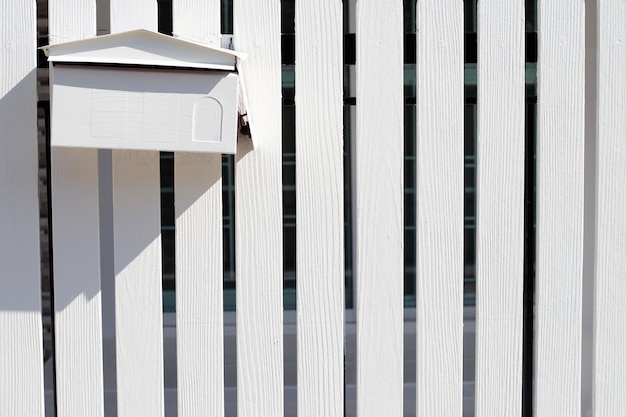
[245,145]
[195,173]
[202,171]
[20,270]
[136,209]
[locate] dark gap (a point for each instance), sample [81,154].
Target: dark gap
[228,227]
[347,173]
[409,22]
[165,22]
[469,206]
[289,206]
[347,207]
[410,48]
[349,48]
[531,47]
[471,47]
[529,213]
[288,48]
[45,106]
[348,354]
[410,203]
[347,230]
[288,153]
[531,15]
[103,17]
[42,60]
[287,17]
[529,261]
[226,17]
[168,247]
[168,233]
[409,221]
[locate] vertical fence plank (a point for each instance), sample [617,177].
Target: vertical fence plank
[319,195]
[21,350]
[500,208]
[610,285]
[258,222]
[137,254]
[130,15]
[440,200]
[197,20]
[76,241]
[138,298]
[379,212]
[199,252]
[199,301]
[560,187]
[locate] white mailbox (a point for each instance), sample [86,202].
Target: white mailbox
[144,90]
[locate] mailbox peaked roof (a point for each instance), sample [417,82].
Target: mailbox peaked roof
[143,47]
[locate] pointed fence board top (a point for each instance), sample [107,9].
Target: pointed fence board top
[143,47]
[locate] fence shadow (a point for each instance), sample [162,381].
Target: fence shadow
[20,275]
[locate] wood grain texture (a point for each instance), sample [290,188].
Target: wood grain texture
[76,242]
[197,20]
[440,199]
[130,15]
[70,20]
[500,208]
[379,273]
[21,352]
[320,217]
[560,201]
[77,295]
[138,298]
[610,285]
[137,254]
[199,283]
[258,220]
[199,252]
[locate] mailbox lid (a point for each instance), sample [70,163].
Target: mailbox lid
[144,109]
[142,47]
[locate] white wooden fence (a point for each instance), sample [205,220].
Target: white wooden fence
[563,186]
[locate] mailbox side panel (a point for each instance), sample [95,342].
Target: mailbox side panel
[144,109]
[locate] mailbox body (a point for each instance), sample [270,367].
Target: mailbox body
[145,91]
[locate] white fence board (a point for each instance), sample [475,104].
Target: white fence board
[77,295]
[199,252]
[440,198]
[258,220]
[137,254]
[610,278]
[21,352]
[199,282]
[320,218]
[76,242]
[130,15]
[560,199]
[138,298]
[197,20]
[500,208]
[379,274]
